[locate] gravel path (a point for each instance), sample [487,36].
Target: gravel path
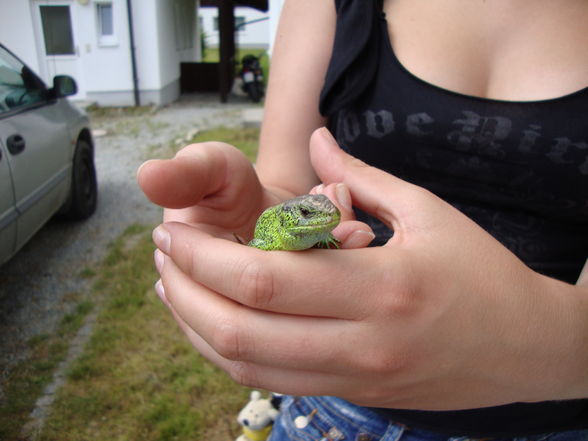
[42,282]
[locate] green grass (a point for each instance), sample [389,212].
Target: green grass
[138,377]
[27,380]
[245,139]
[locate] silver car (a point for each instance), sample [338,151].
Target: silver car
[46,154]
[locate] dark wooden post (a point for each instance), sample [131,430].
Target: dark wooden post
[226,20]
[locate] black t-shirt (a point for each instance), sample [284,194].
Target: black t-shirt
[518,169]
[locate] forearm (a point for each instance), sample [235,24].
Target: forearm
[569,351]
[583,278]
[299,62]
[581,291]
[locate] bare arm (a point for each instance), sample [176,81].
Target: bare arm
[583,278]
[302,52]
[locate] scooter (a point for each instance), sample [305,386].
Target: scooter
[252,77]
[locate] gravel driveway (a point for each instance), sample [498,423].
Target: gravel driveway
[42,282]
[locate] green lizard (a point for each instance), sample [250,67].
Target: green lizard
[297,224]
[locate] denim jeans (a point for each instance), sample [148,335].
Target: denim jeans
[333,419]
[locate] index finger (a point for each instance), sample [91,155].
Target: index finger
[322,283]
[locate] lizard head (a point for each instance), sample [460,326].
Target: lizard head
[296,224]
[309,213]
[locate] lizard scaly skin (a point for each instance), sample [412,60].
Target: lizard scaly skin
[297,224]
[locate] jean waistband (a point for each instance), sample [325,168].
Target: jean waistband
[338,409]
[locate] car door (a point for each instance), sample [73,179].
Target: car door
[38,148]
[7,209]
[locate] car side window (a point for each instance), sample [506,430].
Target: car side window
[19,86]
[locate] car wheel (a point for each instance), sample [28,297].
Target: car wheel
[83,195]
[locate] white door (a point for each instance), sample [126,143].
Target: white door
[57,43]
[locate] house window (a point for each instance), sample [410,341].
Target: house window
[105,23]
[184,24]
[105,19]
[57,30]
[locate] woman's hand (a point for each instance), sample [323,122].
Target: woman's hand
[214,186]
[441,317]
[210,185]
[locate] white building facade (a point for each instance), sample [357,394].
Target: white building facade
[252,27]
[90,40]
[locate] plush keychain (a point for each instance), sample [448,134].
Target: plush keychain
[258,416]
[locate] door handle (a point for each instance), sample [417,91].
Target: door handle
[15,144]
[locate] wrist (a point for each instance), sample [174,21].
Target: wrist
[274,195]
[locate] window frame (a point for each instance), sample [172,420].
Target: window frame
[105,40]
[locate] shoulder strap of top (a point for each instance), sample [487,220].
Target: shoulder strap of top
[355,55]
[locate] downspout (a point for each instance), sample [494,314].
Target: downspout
[133,55]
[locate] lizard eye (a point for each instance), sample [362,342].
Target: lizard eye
[304,212]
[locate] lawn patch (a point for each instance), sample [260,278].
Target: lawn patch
[28,380]
[138,377]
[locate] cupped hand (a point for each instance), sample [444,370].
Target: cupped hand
[441,317]
[215,187]
[212,185]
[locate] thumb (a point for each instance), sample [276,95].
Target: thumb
[196,172]
[372,190]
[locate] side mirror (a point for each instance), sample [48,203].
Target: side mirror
[64,85]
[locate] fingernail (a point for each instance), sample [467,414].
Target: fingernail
[328,136]
[359,239]
[319,189]
[158,258]
[141,167]
[343,196]
[160,290]
[162,239]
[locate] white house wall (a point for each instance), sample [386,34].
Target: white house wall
[100,69]
[107,67]
[16,30]
[158,59]
[159,43]
[253,35]
[103,68]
